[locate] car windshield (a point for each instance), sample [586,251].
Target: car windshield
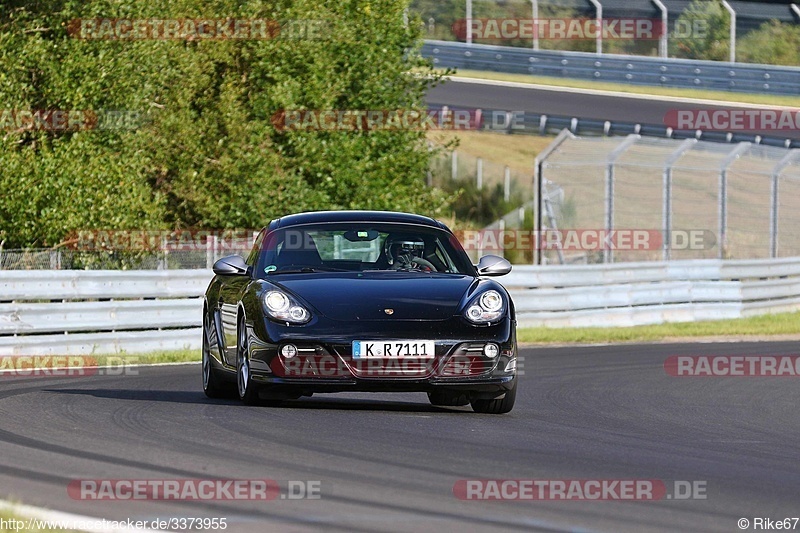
[362,247]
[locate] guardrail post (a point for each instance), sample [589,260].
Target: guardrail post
[608,255]
[723,194]
[667,215]
[774,197]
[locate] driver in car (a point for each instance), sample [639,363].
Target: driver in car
[406,253]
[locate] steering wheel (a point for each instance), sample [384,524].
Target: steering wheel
[424,263]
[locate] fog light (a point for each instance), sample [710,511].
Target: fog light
[491,350]
[288,351]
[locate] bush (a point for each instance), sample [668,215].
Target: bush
[209,154]
[773,43]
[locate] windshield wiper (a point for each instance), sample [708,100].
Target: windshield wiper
[304,270]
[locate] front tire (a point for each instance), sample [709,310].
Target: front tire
[497,406]
[214,385]
[248,391]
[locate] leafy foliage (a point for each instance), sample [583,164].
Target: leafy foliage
[774,43]
[708,36]
[208,153]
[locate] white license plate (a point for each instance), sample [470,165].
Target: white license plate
[394,349]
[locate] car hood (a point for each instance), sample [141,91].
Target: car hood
[379,295]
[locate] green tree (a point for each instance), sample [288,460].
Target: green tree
[774,43]
[703,32]
[208,153]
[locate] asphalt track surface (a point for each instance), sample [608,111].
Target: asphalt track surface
[616,108]
[389,462]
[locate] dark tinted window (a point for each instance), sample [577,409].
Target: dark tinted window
[362,247]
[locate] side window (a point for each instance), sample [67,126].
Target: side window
[253,257]
[445,259]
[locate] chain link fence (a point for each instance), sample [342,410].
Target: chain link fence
[688,199]
[65,259]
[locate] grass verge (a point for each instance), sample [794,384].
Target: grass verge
[702,94]
[516,151]
[758,327]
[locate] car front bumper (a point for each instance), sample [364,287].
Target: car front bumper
[324,361]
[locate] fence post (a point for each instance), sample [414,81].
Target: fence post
[162,262]
[774,203]
[667,214]
[663,46]
[608,254]
[507,184]
[732,13]
[479,181]
[429,174]
[538,178]
[599,17]
[454,166]
[723,195]
[469,21]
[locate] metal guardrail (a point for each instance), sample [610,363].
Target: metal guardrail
[84,312]
[548,124]
[621,294]
[628,294]
[636,70]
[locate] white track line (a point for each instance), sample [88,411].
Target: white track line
[68,520]
[615,94]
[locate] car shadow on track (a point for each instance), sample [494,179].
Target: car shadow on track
[194,397]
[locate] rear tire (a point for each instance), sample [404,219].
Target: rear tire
[214,385]
[448,399]
[496,406]
[248,391]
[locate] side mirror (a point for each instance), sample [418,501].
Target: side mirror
[492,265]
[233,265]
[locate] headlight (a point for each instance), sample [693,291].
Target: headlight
[487,307]
[283,307]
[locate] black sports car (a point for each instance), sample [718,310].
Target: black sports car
[360,301]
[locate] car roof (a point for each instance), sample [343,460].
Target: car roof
[317,217]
